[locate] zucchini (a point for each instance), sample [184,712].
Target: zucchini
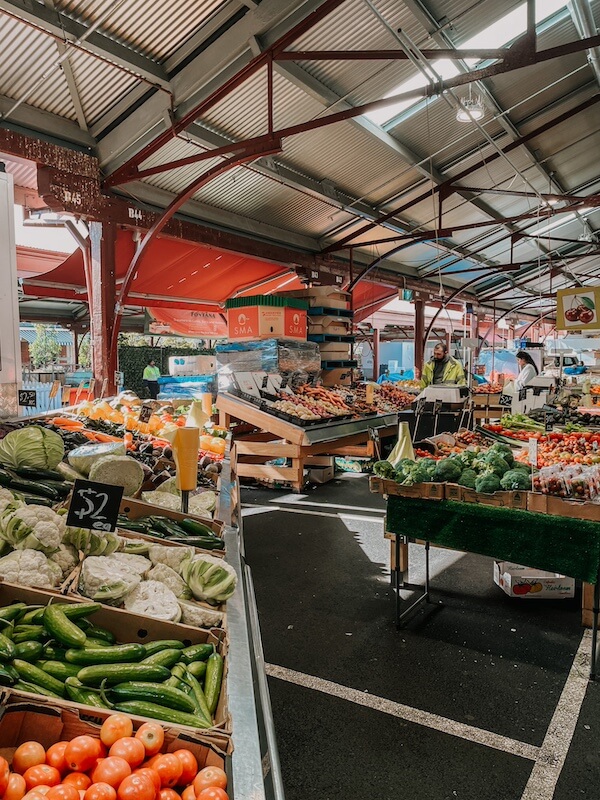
[12,481]
[213,680]
[195,528]
[153,693]
[11,612]
[204,542]
[163,644]
[101,633]
[7,676]
[32,674]
[7,648]
[29,651]
[77,692]
[58,669]
[119,654]
[196,652]
[166,658]
[34,474]
[122,673]
[63,629]
[35,500]
[197,669]
[142,708]
[199,697]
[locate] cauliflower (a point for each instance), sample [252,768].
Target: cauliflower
[153,599]
[30,568]
[8,501]
[105,580]
[199,616]
[130,563]
[171,556]
[66,557]
[164,574]
[33,528]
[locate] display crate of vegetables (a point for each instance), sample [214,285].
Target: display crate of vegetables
[84,653]
[34,741]
[134,511]
[429,491]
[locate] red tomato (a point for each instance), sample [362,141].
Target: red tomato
[150,773]
[137,787]
[64,791]
[55,756]
[152,736]
[168,794]
[34,795]
[209,777]
[4,775]
[41,775]
[78,780]
[152,761]
[82,752]
[100,791]
[212,793]
[111,770]
[188,794]
[129,748]
[117,726]
[28,754]
[169,769]
[189,767]
[16,788]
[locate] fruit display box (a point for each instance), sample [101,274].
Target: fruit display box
[575,509]
[128,627]
[532,584]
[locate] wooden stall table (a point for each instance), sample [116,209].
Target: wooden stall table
[260,437]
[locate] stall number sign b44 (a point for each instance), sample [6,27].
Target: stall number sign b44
[94,506]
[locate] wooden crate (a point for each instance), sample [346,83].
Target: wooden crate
[575,509]
[461,494]
[428,491]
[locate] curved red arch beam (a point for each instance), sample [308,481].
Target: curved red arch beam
[269,148]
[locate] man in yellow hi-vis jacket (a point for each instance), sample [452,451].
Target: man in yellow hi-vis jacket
[443,369]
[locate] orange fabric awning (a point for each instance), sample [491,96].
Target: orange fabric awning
[368,297]
[31,261]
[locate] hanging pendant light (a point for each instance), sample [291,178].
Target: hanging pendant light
[471,108]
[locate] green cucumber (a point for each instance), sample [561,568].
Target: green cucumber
[198,696]
[96,644]
[163,644]
[7,676]
[77,692]
[7,648]
[29,651]
[33,616]
[96,632]
[32,674]
[121,673]
[61,628]
[117,654]
[197,669]
[196,652]
[25,686]
[153,693]
[58,669]
[29,633]
[142,708]
[213,680]
[11,612]
[166,658]
[54,652]
[74,611]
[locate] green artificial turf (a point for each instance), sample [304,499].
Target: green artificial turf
[556,544]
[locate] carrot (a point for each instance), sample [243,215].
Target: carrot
[104,437]
[64,422]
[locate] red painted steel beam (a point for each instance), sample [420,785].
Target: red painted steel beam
[103,237]
[125,171]
[389,55]
[163,219]
[519,58]
[567,115]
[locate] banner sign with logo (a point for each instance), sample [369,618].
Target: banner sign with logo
[183,322]
[578,309]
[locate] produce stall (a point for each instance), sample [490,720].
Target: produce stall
[111,616]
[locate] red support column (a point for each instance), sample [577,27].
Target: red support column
[375,353]
[419,337]
[102,312]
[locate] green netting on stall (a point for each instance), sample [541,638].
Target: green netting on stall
[555,544]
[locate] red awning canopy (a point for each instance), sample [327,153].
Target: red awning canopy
[369,297]
[31,261]
[173,274]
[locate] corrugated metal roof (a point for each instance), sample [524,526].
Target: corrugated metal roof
[463,19]
[99,84]
[30,54]
[63,337]
[24,172]
[152,28]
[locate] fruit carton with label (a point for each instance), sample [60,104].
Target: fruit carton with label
[532,584]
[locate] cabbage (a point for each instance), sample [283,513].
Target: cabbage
[32,446]
[118,471]
[83,458]
[209,578]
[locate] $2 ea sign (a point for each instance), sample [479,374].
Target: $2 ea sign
[94,506]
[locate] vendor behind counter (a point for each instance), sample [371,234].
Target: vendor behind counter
[442,368]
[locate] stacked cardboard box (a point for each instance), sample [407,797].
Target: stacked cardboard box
[330,326]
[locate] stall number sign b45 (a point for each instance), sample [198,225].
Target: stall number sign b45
[94,506]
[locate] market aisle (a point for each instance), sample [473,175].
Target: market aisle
[495,666]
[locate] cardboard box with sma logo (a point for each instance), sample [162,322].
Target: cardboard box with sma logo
[266,317]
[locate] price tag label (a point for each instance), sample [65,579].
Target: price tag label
[28,398]
[548,424]
[54,389]
[94,506]
[146,412]
[505,400]
[533,452]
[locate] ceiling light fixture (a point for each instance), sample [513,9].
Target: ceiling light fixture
[471,108]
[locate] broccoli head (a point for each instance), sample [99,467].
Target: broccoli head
[523,467]
[468,477]
[447,470]
[384,469]
[503,450]
[429,465]
[515,479]
[417,474]
[488,484]
[466,458]
[496,463]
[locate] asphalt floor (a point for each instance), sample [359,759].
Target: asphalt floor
[436,710]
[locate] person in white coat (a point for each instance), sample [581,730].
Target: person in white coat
[527,369]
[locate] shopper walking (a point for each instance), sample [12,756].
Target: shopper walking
[443,369]
[527,369]
[150,378]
